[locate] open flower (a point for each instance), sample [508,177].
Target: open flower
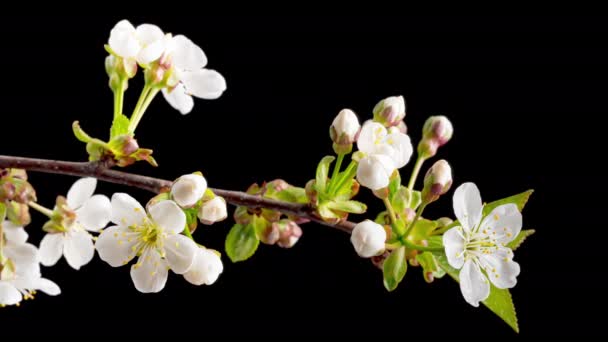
[478,247]
[154,237]
[374,171]
[206,268]
[144,44]
[83,212]
[375,139]
[189,75]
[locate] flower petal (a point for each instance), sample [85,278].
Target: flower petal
[467,205]
[374,171]
[14,234]
[453,242]
[178,99]
[151,38]
[47,286]
[9,295]
[503,223]
[206,268]
[168,216]
[126,211]
[81,191]
[474,286]
[187,55]
[180,252]
[117,245]
[51,248]
[123,40]
[501,268]
[95,213]
[149,33]
[24,256]
[150,272]
[402,148]
[204,83]
[78,248]
[188,189]
[371,133]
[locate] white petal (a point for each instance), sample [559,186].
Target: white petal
[187,55]
[150,273]
[453,242]
[126,211]
[81,191]
[117,245]
[501,269]
[368,238]
[148,33]
[51,248]
[9,295]
[123,40]
[213,211]
[14,234]
[151,52]
[474,285]
[188,189]
[467,205]
[178,99]
[78,248]
[505,221]
[24,256]
[47,286]
[374,171]
[153,42]
[371,133]
[206,268]
[402,148]
[168,216]
[180,252]
[204,83]
[95,213]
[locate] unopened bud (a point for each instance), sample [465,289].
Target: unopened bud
[188,189]
[206,267]
[368,238]
[427,148]
[289,233]
[213,211]
[390,111]
[444,222]
[18,213]
[437,181]
[270,234]
[344,131]
[242,215]
[437,128]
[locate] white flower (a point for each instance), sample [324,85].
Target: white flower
[374,171]
[189,75]
[206,268]
[188,189]
[20,271]
[13,234]
[213,211]
[375,139]
[155,238]
[345,127]
[92,213]
[478,246]
[145,44]
[368,238]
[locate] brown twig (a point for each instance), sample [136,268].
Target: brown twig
[102,172]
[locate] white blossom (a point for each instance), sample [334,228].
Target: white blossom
[145,44]
[188,189]
[368,238]
[206,268]
[214,210]
[374,171]
[345,127]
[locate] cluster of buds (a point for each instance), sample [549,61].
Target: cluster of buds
[15,193]
[436,132]
[390,112]
[191,193]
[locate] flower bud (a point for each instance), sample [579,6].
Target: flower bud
[270,234]
[213,211]
[188,189]
[390,111]
[289,233]
[437,181]
[439,129]
[206,268]
[374,171]
[345,127]
[427,148]
[368,238]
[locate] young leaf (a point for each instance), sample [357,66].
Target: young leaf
[354,207]
[241,242]
[520,200]
[520,238]
[422,229]
[120,126]
[395,183]
[499,301]
[322,172]
[394,268]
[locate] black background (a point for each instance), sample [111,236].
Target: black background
[525,95]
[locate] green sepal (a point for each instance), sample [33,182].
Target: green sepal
[120,126]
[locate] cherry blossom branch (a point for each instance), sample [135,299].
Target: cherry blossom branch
[101,171]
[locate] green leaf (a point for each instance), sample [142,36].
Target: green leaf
[2,212]
[520,238]
[322,172]
[394,268]
[292,194]
[422,229]
[120,126]
[353,207]
[499,301]
[395,183]
[241,242]
[520,200]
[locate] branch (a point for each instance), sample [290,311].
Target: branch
[155,185]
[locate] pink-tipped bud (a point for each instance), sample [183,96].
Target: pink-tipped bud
[437,181]
[438,128]
[390,111]
[345,128]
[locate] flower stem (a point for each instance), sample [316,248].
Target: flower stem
[411,226]
[415,171]
[119,96]
[391,211]
[47,212]
[334,176]
[146,97]
[349,173]
[188,233]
